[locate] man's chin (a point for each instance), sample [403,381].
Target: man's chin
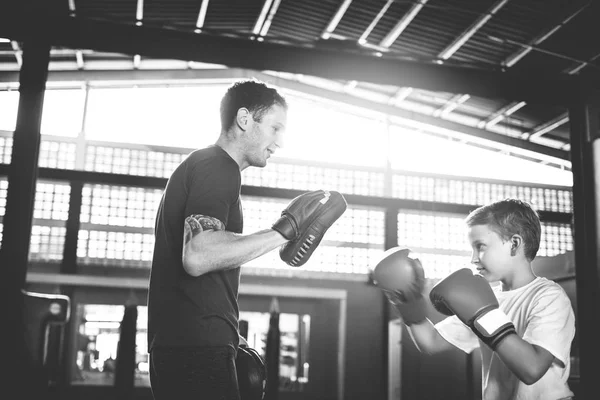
[260,164]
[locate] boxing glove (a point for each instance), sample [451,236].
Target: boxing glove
[402,279]
[472,300]
[305,221]
[251,373]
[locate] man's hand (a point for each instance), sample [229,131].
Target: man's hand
[304,222]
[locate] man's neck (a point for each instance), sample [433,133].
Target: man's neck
[229,147]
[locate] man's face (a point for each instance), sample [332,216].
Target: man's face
[264,137]
[490,254]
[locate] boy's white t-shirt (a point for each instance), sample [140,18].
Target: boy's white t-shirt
[542,314]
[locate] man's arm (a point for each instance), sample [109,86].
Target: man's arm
[527,361]
[208,247]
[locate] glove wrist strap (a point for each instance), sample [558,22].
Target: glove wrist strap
[493,327]
[492,322]
[286,228]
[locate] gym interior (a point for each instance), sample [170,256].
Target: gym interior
[417,111]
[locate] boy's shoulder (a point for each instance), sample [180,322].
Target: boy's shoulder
[540,289]
[548,293]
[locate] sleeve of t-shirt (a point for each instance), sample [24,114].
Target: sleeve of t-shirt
[458,334]
[551,323]
[212,188]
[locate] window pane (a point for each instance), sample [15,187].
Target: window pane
[176,116]
[318,132]
[418,152]
[294,345]
[63,112]
[9,104]
[97,343]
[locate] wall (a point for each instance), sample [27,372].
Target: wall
[441,376]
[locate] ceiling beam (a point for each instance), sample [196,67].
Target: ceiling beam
[501,114]
[228,75]
[548,126]
[466,35]
[201,16]
[335,20]
[365,35]
[524,50]
[515,57]
[326,63]
[411,14]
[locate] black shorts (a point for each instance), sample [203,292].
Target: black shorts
[206,373]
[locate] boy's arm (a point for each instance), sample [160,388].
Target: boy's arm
[427,339]
[402,279]
[546,340]
[527,361]
[472,300]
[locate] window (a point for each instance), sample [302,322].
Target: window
[164,116]
[349,246]
[415,151]
[97,343]
[9,104]
[294,363]
[62,113]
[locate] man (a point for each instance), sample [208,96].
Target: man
[193,331]
[192,302]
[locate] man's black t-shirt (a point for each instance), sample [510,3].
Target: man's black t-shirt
[185,310]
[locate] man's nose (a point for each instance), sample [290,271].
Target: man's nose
[279,141]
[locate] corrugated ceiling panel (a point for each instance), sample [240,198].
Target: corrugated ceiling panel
[481,107]
[534,114]
[438,24]
[177,14]
[396,11]
[537,61]
[579,39]
[235,15]
[302,20]
[518,21]
[358,17]
[116,10]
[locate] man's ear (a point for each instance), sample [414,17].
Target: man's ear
[243,118]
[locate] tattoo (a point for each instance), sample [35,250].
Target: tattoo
[194,224]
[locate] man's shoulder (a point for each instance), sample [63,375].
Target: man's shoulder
[205,153]
[212,155]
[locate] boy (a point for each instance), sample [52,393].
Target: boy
[524,326]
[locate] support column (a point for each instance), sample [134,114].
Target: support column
[24,165]
[585,158]
[19,213]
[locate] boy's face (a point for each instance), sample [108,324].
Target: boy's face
[491,255]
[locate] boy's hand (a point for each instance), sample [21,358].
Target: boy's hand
[402,279]
[472,300]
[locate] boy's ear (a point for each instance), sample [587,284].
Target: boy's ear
[515,242]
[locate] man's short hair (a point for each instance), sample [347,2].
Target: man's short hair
[252,94]
[510,217]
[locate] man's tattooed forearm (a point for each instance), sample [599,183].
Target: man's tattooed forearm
[194,224]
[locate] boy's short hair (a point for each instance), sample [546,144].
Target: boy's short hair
[511,217]
[252,94]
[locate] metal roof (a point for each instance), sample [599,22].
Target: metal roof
[526,36]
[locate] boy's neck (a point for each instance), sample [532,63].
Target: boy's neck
[521,278]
